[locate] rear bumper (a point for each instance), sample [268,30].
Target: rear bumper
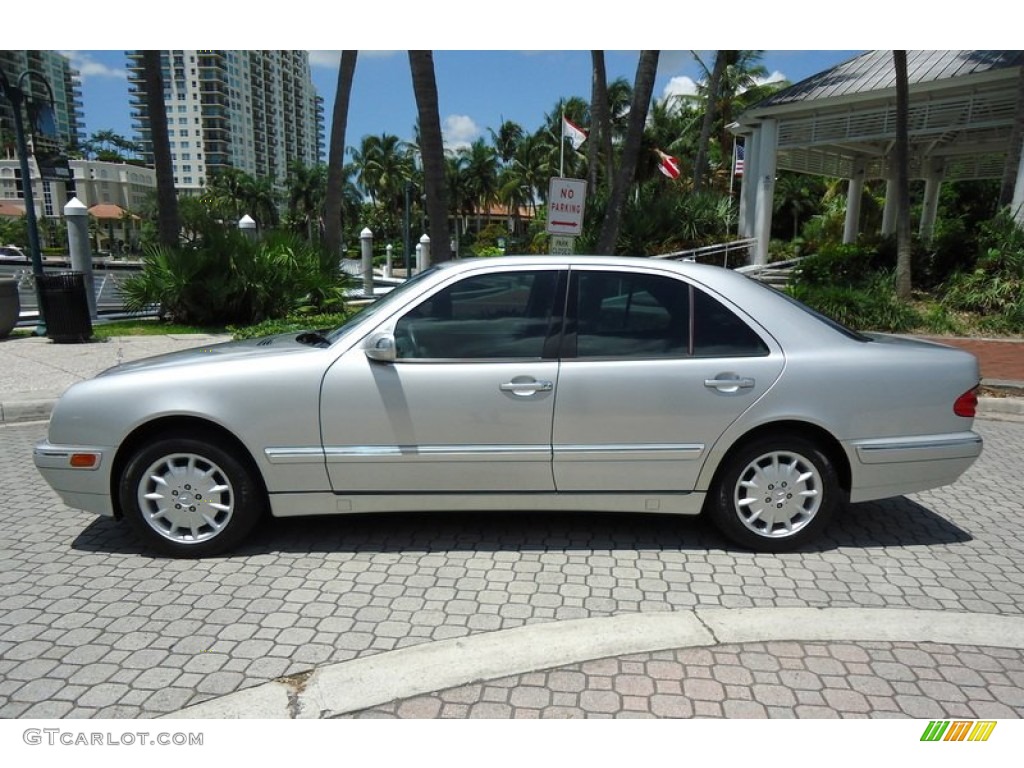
[893,466]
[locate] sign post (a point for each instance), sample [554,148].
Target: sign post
[567,200]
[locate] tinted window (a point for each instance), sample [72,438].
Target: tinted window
[623,315]
[718,332]
[501,315]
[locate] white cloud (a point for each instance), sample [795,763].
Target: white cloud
[88,67]
[680,85]
[459,131]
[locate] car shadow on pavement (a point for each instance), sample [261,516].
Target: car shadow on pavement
[890,523]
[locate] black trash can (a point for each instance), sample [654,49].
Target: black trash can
[65,306]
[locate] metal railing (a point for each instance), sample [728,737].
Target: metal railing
[711,254]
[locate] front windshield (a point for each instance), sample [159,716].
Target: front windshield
[380,305]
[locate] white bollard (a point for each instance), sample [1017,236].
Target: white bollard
[387,263]
[77,216]
[425,244]
[366,244]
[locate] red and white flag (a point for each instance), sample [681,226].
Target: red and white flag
[668,165]
[574,133]
[737,159]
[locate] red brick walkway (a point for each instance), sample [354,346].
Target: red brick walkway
[1003,360]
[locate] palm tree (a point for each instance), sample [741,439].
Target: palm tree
[700,165]
[481,172]
[167,197]
[903,245]
[424,86]
[334,218]
[507,139]
[307,187]
[646,69]
[384,164]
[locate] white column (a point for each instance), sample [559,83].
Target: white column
[765,188]
[854,193]
[748,192]
[1017,206]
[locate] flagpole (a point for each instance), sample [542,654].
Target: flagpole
[561,152]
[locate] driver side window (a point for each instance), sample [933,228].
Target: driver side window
[502,315]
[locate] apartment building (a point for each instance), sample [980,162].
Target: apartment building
[256,111]
[64,83]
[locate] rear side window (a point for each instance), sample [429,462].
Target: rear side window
[719,332]
[624,315]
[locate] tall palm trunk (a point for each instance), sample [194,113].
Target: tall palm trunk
[336,160]
[643,88]
[600,126]
[700,164]
[424,85]
[903,244]
[166,196]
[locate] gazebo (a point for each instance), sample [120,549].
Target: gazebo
[841,123]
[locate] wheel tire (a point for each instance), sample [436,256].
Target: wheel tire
[186,496]
[797,487]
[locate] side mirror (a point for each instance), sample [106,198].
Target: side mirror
[381,347]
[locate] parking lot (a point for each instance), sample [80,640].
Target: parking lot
[93,626]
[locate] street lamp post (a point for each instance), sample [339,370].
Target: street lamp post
[16,96]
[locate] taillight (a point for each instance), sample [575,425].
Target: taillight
[967,404]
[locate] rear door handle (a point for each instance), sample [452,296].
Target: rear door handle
[528,387]
[729,385]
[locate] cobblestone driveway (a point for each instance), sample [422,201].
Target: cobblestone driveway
[93,626]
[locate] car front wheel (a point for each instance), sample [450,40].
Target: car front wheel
[188,497]
[775,494]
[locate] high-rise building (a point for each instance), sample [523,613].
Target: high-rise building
[64,82]
[256,111]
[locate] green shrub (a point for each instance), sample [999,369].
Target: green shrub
[291,324]
[873,306]
[994,289]
[226,278]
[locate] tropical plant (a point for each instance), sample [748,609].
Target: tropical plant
[228,278]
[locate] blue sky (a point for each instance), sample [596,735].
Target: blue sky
[476,89]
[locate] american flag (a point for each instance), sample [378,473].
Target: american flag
[737,160]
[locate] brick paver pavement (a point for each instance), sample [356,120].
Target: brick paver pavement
[93,626]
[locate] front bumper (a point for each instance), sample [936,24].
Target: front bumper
[81,487]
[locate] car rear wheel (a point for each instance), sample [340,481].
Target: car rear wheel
[188,497]
[775,494]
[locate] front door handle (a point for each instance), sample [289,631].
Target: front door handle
[525,387]
[729,385]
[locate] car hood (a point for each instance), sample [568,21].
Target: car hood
[285,343]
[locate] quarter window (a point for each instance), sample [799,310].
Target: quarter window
[718,332]
[496,316]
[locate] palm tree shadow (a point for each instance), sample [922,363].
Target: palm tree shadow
[894,522]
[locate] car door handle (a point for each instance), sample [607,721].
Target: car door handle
[729,384]
[527,387]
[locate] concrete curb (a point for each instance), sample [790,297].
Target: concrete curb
[374,680]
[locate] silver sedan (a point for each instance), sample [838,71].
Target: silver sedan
[524,383]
